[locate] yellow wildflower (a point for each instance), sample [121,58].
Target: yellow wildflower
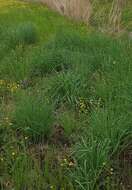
[13,153]
[10,124]
[65,160]
[2,159]
[71,164]
[2,82]
[25,138]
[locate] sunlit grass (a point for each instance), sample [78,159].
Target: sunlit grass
[7,4]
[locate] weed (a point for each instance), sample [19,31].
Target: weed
[86,75]
[22,34]
[68,122]
[67,88]
[90,155]
[46,61]
[34,117]
[14,66]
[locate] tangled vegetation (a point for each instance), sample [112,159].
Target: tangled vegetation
[65,103]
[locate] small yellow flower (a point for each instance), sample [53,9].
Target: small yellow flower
[111,173]
[13,87]
[25,138]
[10,124]
[6,119]
[2,159]
[51,187]
[71,164]
[111,169]
[65,160]
[13,153]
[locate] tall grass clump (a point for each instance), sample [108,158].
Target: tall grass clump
[69,122]
[34,117]
[46,61]
[24,174]
[69,39]
[91,156]
[107,130]
[15,65]
[68,88]
[22,34]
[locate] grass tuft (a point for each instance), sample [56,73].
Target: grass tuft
[34,117]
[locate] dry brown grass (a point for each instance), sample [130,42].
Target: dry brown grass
[115,15]
[78,9]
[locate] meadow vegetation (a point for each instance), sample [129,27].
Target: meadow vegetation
[65,102]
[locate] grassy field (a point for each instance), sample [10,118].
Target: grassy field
[65,102]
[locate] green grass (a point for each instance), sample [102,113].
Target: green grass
[34,117]
[126,17]
[23,34]
[65,101]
